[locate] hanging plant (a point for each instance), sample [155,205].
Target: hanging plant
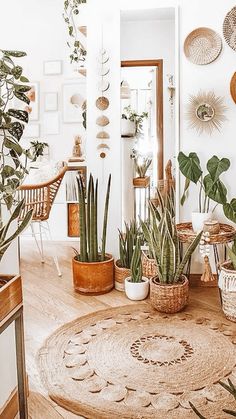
[71,9]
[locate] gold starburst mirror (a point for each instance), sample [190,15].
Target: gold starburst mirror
[206,112]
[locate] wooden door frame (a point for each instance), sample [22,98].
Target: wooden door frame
[159,106]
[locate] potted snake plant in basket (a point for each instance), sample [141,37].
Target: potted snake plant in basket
[169,290]
[92,269]
[127,241]
[227,284]
[136,285]
[141,165]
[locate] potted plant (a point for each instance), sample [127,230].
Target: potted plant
[37,149]
[141,165]
[132,122]
[92,270]
[127,241]
[136,285]
[169,289]
[227,284]
[210,186]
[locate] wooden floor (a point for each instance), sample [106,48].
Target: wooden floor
[49,302]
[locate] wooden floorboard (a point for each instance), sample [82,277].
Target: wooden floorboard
[49,302]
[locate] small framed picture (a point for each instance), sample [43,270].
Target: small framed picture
[50,101]
[74,101]
[52,67]
[51,123]
[31,131]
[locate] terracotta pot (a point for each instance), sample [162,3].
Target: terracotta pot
[93,278]
[141,182]
[120,275]
[169,298]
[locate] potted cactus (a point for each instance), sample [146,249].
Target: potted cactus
[92,269]
[136,285]
[127,241]
[141,165]
[227,284]
[169,289]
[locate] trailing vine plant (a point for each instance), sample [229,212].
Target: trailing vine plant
[71,9]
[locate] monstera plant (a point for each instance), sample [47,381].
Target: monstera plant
[13,158]
[211,189]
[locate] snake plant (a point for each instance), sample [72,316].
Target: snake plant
[127,241]
[136,264]
[141,165]
[162,239]
[88,219]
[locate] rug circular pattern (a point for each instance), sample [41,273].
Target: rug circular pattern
[133,362]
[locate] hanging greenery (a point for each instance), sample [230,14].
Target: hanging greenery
[71,9]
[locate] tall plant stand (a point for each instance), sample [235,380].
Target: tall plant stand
[226,235]
[141,198]
[11,310]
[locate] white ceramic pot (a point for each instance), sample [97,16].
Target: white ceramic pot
[137,291]
[198,219]
[128,128]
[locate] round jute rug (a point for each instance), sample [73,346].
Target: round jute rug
[133,362]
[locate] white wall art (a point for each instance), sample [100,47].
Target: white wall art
[52,67]
[31,131]
[74,101]
[51,101]
[51,123]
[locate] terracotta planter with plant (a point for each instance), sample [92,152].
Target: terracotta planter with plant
[127,241]
[169,289]
[227,284]
[141,165]
[93,271]
[136,285]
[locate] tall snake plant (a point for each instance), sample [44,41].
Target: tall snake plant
[88,219]
[162,238]
[136,263]
[127,241]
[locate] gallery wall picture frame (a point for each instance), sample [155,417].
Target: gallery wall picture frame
[50,101]
[31,131]
[74,97]
[51,124]
[34,97]
[53,67]
[71,182]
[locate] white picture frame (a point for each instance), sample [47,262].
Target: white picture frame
[50,101]
[31,131]
[33,107]
[51,123]
[52,67]
[74,96]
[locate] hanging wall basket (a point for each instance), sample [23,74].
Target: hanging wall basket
[202,46]
[229,28]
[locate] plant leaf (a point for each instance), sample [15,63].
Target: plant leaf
[230,210]
[22,97]
[14,53]
[215,190]
[190,166]
[216,167]
[19,114]
[16,129]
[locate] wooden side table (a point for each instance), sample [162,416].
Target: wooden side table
[226,235]
[11,310]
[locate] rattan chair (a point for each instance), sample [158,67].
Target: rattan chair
[41,197]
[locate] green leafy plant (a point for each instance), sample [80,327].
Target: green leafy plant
[232,254]
[162,238]
[211,188]
[88,219]
[84,114]
[141,165]
[127,242]
[133,116]
[71,9]
[37,149]
[136,263]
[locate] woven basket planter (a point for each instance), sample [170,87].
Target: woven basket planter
[120,275]
[227,285]
[141,182]
[169,298]
[149,266]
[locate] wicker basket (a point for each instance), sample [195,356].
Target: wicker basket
[120,275]
[227,285]
[149,266]
[169,298]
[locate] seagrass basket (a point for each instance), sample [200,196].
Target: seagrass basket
[227,285]
[149,266]
[120,275]
[169,298]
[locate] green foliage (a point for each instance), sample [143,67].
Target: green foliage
[13,167]
[88,221]
[136,263]
[163,241]
[133,116]
[232,254]
[141,165]
[71,8]
[230,210]
[84,114]
[210,185]
[37,148]
[127,242]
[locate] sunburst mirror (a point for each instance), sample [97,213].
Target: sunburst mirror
[206,112]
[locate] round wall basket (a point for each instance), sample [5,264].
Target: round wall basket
[202,46]
[233,87]
[229,28]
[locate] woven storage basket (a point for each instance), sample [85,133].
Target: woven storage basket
[169,298]
[227,284]
[120,275]
[149,266]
